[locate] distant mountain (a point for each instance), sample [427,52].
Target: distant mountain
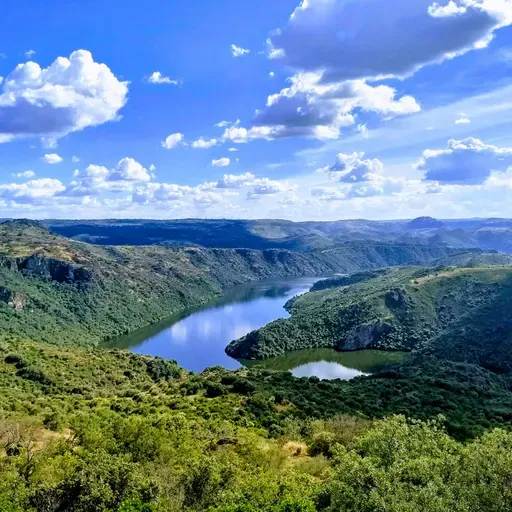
[425,223]
[494,234]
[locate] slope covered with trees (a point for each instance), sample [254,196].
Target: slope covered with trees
[84,429]
[57,290]
[462,313]
[87,430]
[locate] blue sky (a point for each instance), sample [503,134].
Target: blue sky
[328,109]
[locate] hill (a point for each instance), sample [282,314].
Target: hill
[487,234]
[439,311]
[85,429]
[425,223]
[58,290]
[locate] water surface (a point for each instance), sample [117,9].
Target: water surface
[197,338]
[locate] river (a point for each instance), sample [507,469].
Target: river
[197,339]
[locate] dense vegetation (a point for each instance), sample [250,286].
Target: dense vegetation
[61,291]
[83,429]
[87,430]
[460,313]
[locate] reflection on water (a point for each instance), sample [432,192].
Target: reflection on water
[197,338]
[329,364]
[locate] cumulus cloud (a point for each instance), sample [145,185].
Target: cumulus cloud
[157,78]
[266,186]
[236,181]
[328,193]
[129,169]
[52,158]
[311,109]
[221,162]
[32,191]
[25,174]
[98,178]
[351,40]
[160,192]
[224,124]
[232,150]
[353,168]
[71,94]
[203,143]
[376,185]
[359,177]
[237,51]
[463,119]
[30,54]
[465,162]
[172,141]
[75,159]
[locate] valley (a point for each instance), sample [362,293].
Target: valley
[399,343]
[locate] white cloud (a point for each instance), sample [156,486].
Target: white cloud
[24,174]
[203,143]
[160,192]
[464,162]
[271,74]
[236,181]
[31,191]
[52,158]
[157,78]
[172,141]
[129,169]
[463,120]
[266,186]
[237,51]
[232,150]
[221,162]
[363,130]
[310,109]
[71,94]
[224,124]
[351,40]
[376,185]
[353,169]
[75,159]
[30,54]
[329,193]
[98,178]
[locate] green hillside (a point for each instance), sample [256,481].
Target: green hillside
[439,310]
[61,291]
[85,430]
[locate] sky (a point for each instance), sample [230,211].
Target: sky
[312,110]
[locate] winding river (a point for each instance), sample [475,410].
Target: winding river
[197,338]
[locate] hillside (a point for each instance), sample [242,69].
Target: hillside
[87,430]
[84,429]
[59,290]
[487,234]
[439,311]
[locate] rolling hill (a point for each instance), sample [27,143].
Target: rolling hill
[54,289]
[458,313]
